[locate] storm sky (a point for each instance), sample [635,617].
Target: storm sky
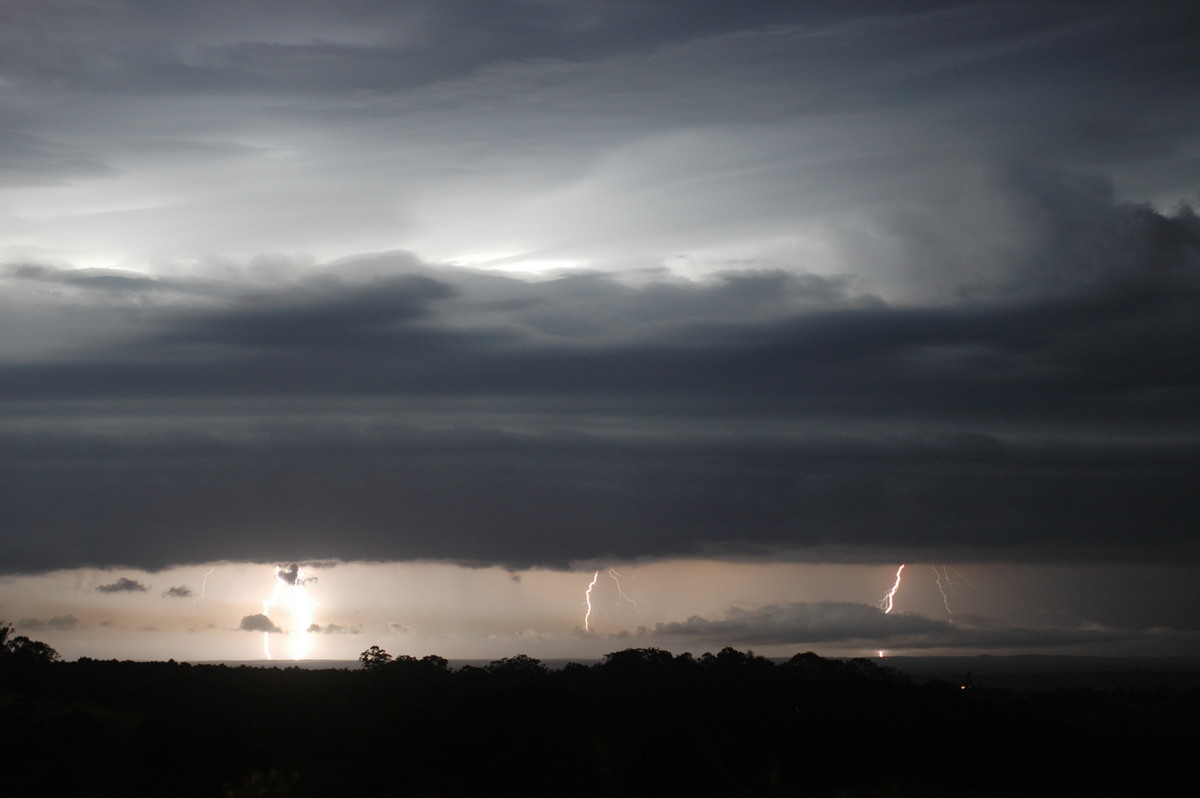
[496,295]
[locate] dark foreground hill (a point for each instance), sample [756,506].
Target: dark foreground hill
[641,722]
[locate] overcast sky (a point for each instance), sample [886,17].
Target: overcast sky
[504,292]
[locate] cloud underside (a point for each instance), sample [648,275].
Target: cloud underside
[849,283]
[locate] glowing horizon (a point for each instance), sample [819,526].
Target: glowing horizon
[336,610]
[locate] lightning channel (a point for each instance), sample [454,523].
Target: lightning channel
[887,601]
[621,595]
[587,597]
[203,587]
[943,588]
[289,589]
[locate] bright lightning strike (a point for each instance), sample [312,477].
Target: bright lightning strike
[886,602]
[289,591]
[587,597]
[621,596]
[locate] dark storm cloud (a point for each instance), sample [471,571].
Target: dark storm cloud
[178,591]
[258,623]
[123,585]
[319,47]
[482,418]
[998,356]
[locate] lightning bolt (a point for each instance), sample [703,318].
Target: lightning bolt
[961,577]
[942,588]
[885,603]
[299,606]
[587,597]
[203,587]
[621,595]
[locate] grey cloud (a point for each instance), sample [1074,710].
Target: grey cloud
[587,416]
[335,629]
[319,315]
[765,338]
[863,625]
[177,591]
[102,279]
[29,159]
[386,492]
[59,623]
[862,109]
[259,623]
[796,623]
[985,349]
[323,47]
[122,585]
[290,574]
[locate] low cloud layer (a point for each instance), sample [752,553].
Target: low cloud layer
[861,625]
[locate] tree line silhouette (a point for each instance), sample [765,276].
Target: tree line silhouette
[642,721]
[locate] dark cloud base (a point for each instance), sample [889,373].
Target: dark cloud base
[480,496]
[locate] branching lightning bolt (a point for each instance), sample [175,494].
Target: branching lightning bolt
[621,595]
[886,602]
[961,577]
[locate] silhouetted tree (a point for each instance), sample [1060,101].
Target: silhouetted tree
[520,664]
[22,649]
[638,659]
[374,657]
